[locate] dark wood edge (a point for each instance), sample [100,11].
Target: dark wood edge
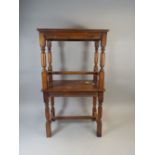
[71,72]
[73,117]
[48,91]
[71,30]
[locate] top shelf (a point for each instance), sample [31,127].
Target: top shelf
[73,34]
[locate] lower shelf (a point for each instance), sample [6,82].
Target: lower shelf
[72,88]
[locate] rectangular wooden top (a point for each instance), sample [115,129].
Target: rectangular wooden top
[73,34]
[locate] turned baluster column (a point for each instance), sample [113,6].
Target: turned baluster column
[101,85]
[50,77]
[49,45]
[43,60]
[44,84]
[96,61]
[95,76]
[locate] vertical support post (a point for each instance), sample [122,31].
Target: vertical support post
[43,60]
[47,115]
[102,64]
[52,109]
[99,117]
[50,76]
[94,111]
[49,45]
[101,85]
[42,41]
[96,60]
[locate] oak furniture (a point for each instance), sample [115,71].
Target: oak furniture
[58,88]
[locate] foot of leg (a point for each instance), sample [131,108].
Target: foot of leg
[48,129]
[99,116]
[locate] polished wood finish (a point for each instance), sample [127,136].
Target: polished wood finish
[49,56]
[47,115]
[94,110]
[43,60]
[96,60]
[73,117]
[52,108]
[73,34]
[86,88]
[72,86]
[101,86]
[72,72]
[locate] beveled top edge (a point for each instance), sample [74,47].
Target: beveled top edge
[71,30]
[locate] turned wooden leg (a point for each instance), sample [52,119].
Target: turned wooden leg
[94,111]
[99,116]
[47,115]
[52,109]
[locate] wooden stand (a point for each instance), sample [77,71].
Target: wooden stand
[59,88]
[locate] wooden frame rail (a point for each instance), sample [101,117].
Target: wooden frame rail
[72,72]
[74,117]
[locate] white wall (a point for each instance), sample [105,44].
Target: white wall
[118,16]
